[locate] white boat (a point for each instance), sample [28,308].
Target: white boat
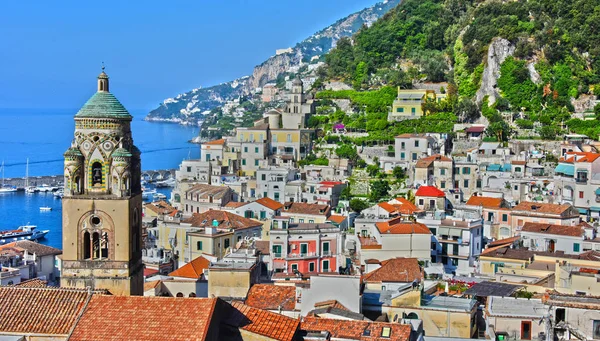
[4,188]
[31,189]
[59,194]
[159,196]
[44,188]
[45,208]
[26,232]
[166,183]
[148,194]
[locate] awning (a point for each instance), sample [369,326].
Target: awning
[597,191]
[583,210]
[493,168]
[443,231]
[565,169]
[455,232]
[595,209]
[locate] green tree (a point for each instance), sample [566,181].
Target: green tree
[499,130]
[549,132]
[347,151]
[357,205]
[360,75]
[398,172]
[379,190]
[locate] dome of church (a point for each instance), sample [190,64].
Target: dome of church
[73,152]
[121,152]
[103,105]
[103,75]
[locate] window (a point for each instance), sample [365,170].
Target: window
[301,220]
[227,242]
[505,217]
[263,215]
[414,156]
[261,137]
[421,202]
[248,214]
[310,221]
[276,196]
[478,183]
[277,250]
[245,149]
[403,145]
[199,245]
[386,332]
[256,150]
[325,266]
[576,247]
[303,248]
[402,156]
[580,194]
[325,247]
[516,187]
[256,162]
[413,110]
[263,177]
[311,267]
[294,267]
[97,173]
[416,143]
[243,162]
[466,183]
[289,137]
[517,169]
[443,184]
[466,170]
[399,109]
[596,330]
[443,171]
[189,169]
[525,330]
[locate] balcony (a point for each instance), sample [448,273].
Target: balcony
[302,255]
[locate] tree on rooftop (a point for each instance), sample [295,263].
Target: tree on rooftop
[357,205]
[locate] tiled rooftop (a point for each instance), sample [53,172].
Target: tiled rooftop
[358,330]
[404,270]
[262,322]
[272,297]
[193,270]
[225,220]
[561,230]
[486,202]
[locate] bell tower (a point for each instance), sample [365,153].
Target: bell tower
[102,206]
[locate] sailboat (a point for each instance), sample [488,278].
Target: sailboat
[28,189]
[6,189]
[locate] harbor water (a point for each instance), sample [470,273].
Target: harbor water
[42,137]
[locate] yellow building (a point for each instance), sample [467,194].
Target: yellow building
[408,104]
[232,279]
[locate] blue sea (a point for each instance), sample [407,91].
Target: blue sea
[43,136]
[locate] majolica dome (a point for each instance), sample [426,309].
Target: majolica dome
[73,152]
[103,104]
[121,152]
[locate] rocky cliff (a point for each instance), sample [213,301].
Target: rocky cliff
[192,106]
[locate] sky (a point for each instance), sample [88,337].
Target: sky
[51,51]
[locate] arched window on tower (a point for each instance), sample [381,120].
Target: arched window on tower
[95,245]
[115,184]
[86,246]
[77,185]
[96,173]
[104,245]
[101,86]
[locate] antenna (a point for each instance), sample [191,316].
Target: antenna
[103,66]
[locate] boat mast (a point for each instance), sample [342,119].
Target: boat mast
[2,173]
[27,174]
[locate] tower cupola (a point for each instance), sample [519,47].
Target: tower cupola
[103,81]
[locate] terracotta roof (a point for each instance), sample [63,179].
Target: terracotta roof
[338,219]
[148,272]
[148,318]
[357,330]
[40,310]
[562,230]
[504,251]
[542,208]
[263,246]
[518,163]
[215,142]
[369,243]
[404,270]
[572,157]
[487,202]
[475,129]
[270,203]
[505,241]
[194,269]
[409,135]
[151,285]
[400,206]
[225,220]
[205,191]
[32,247]
[265,323]
[33,283]
[427,161]
[304,208]
[330,304]
[235,204]
[398,226]
[429,191]
[330,183]
[272,297]
[161,207]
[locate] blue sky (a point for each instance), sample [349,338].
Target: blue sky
[51,51]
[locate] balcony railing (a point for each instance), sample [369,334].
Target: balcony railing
[302,255]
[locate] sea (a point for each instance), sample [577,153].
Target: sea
[42,136]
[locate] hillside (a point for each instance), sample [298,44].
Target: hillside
[192,106]
[536,60]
